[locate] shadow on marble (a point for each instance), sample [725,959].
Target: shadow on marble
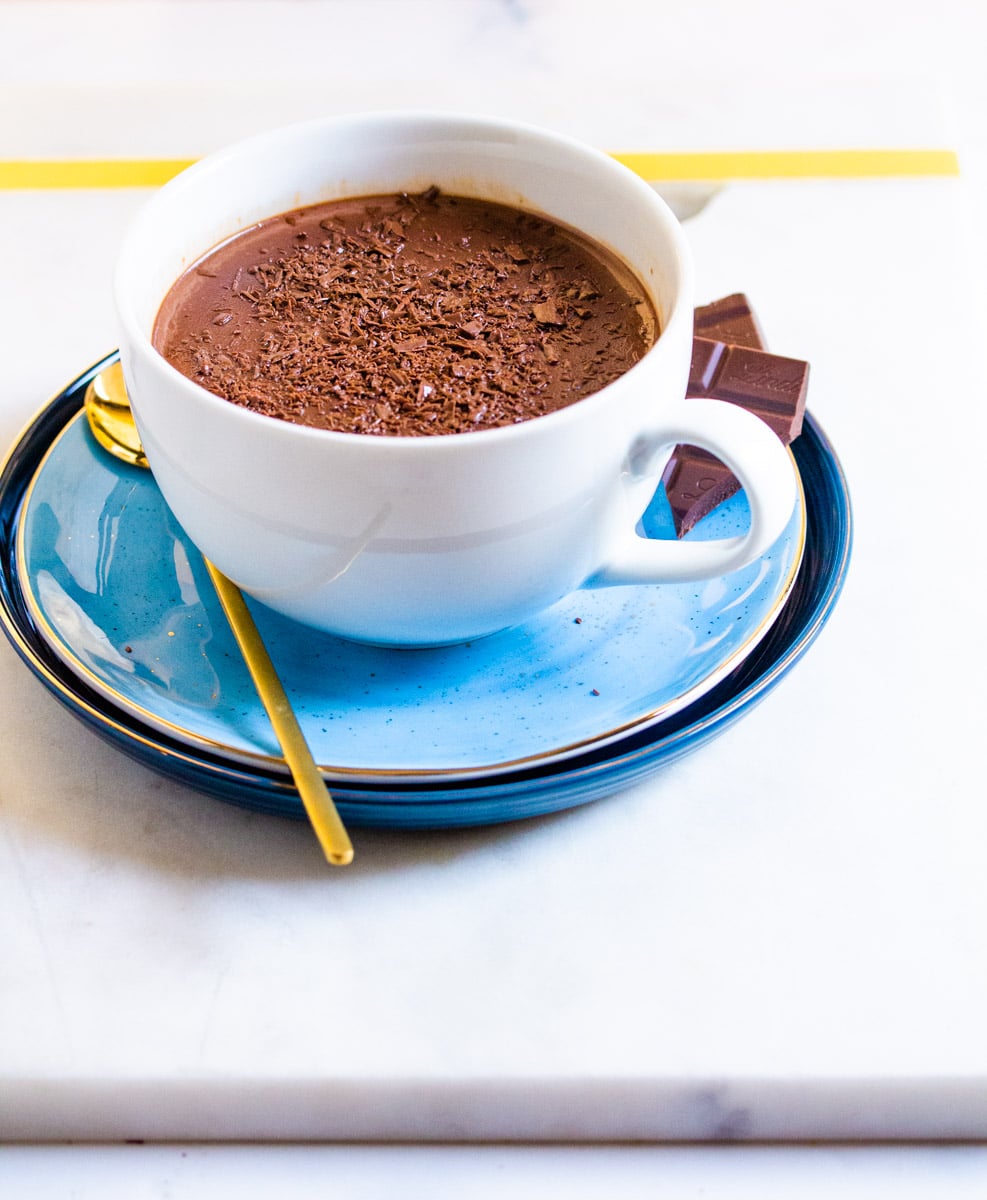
[108,807]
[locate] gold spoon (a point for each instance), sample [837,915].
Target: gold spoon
[112,422]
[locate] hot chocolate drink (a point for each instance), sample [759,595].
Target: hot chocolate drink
[406,315]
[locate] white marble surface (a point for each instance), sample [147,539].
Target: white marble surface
[778,937]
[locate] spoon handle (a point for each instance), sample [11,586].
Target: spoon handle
[318,802]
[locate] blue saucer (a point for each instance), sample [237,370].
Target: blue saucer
[425,774]
[121,597]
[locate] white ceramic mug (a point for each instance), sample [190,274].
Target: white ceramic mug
[429,540]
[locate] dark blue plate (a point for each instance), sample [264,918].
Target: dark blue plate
[467,799]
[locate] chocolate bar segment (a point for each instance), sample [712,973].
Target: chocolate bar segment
[730,320]
[695,484]
[771,387]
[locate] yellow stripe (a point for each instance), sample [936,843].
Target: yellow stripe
[791,164]
[89,173]
[679,165]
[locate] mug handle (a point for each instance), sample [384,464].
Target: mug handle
[761,463]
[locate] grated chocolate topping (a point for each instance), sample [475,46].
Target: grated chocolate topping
[405,315]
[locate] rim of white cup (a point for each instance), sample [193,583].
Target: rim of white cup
[126,274]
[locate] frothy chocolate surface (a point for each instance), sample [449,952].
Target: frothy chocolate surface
[411,314]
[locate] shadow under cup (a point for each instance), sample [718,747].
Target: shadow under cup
[412,541]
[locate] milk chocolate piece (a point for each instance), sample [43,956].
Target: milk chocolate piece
[771,387]
[730,320]
[741,372]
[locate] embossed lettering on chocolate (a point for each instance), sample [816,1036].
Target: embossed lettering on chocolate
[406,315]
